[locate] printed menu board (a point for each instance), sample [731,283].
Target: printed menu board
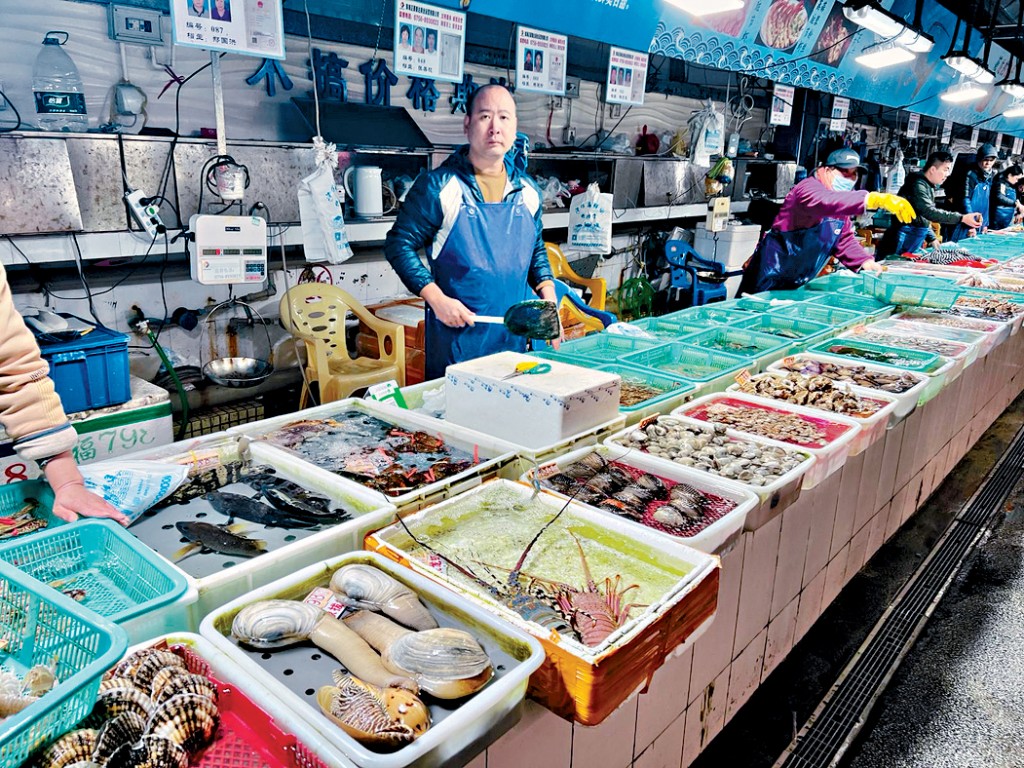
[430,42]
[540,61]
[627,77]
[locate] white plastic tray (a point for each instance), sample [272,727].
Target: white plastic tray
[959,360]
[714,538]
[457,733]
[829,457]
[491,452]
[777,495]
[304,547]
[993,332]
[871,427]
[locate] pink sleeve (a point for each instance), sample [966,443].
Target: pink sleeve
[824,202]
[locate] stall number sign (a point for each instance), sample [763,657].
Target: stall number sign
[974,137]
[947,132]
[627,77]
[430,42]
[1018,144]
[782,104]
[999,141]
[912,125]
[248,27]
[540,61]
[840,111]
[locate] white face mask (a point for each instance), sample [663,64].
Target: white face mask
[842,184]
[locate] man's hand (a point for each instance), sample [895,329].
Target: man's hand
[871,266]
[449,311]
[974,220]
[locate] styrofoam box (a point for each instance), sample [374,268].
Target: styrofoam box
[830,457]
[492,452]
[871,427]
[735,244]
[298,547]
[529,410]
[906,402]
[714,538]
[457,732]
[776,495]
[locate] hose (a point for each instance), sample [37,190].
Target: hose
[183,423]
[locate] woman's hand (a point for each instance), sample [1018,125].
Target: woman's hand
[871,266]
[71,497]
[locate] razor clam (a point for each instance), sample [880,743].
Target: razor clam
[447,663]
[73,747]
[363,586]
[187,719]
[382,719]
[276,623]
[150,752]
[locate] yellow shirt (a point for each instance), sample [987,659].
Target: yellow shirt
[492,185]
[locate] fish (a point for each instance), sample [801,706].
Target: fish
[297,507]
[225,540]
[235,505]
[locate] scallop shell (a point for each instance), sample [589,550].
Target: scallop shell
[163,678]
[153,664]
[367,587]
[274,623]
[354,709]
[73,747]
[126,728]
[116,701]
[186,683]
[437,657]
[129,665]
[187,719]
[150,752]
[110,683]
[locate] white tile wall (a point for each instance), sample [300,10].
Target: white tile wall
[712,651]
[853,477]
[667,749]
[820,535]
[810,604]
[745,673]
[610,743]
[664,701]
[781,637]
[759,564]
[868,489]
[541,738]
[789,571]
[890,463]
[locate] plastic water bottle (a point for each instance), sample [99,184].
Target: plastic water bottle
[57,88]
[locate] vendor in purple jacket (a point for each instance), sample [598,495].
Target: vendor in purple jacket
[814,224]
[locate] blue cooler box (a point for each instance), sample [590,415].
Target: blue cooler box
[90,371]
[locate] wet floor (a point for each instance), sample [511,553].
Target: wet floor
[958,698]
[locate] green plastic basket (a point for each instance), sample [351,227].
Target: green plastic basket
[606,347]
[14,496]
[42,626]
[675,388]
[121,577]
[796,294]
[715,370]
[707,315]
[667,328]
[911,290]
[914,360]
[551,354]
[863,304]
[761,348]
[832,316]
[836,281]
[796,331]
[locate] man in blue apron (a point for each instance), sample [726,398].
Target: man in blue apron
[1006,207]
[478,216]
[814,225]
[976,193]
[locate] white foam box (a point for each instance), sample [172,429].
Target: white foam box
[532,410]
[736,244]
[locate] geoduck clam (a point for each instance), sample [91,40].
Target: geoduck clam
[369,588]
[380,718]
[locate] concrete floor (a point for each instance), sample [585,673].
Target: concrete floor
[952,702]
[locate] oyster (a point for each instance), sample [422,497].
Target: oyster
[188,720]
[363,586]
[73,747]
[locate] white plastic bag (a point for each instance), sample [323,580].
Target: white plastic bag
[707,131]
[897,175]
[321,206]
[133,486]
[590,222]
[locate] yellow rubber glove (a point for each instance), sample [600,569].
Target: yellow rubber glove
[894,204]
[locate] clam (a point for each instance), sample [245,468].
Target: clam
[188,720]
[150,752]
[651,484]
[277,623]
[126,728]
[381,718]
[363,586]
[586,466]
[668,516]
[447,663]
[73,747]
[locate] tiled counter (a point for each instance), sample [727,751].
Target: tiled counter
[776,582]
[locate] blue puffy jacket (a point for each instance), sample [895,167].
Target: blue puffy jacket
[431,208]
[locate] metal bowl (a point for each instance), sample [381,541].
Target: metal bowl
[237,372]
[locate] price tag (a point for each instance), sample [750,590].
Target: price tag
[840,111]
[782,104]
[974,137]
[327,601]
[947,132]
[912,125]
[1018,145]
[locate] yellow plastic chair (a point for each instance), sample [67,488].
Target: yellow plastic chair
[597,286]
[315,313]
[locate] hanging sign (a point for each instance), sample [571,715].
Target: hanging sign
[782,104]
[627,77]
[999,141]
[974,137]
[947,132]
[1018,145]
[912,125]
[248,27]
[840,111]
[540,61]
[430,42]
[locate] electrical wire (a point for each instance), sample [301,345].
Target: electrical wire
[17,114]
[81,276]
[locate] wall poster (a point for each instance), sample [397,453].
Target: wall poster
[248,27]
[540,61]
[627,77]
[430,42]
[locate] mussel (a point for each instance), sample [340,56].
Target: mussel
[363,586]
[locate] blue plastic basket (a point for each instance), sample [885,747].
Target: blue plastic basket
[120,576]
[42,626]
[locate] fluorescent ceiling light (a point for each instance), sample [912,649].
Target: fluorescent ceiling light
[704,8]
[1015,110]
[918,42]
[963,92]
[1014,88]
[970,67]
[870,15]
[885,55]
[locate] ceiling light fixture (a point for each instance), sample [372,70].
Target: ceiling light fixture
[1015,110]
[963,92]
[961,59]
[883,55]
[704,8]
[871,15]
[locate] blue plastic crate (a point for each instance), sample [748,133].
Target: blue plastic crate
[606,347]
[91,371]
[667,328]
[41,626]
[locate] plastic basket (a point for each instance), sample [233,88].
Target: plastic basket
[798,332]
[117,575]
[780,296]
[832,316]
[711,535]
[667,328]
[585,683]
[872,425]
[675,390]
[864,304]
[288,677]
[906,359]
[606,347]
[839,432]
[912,290]
[994,333]
[976,340]
[14,496]
[775,495]
[834,282]
[91,371]
[41,626]
[713,370]
[952,351]
[708,314]
[762,348]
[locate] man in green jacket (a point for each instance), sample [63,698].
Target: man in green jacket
[919,191]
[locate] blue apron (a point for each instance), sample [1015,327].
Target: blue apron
[1002,217]
[484,264]
[980,200]
[785,260]
[901,238]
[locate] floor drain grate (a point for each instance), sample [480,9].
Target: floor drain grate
[829,732]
